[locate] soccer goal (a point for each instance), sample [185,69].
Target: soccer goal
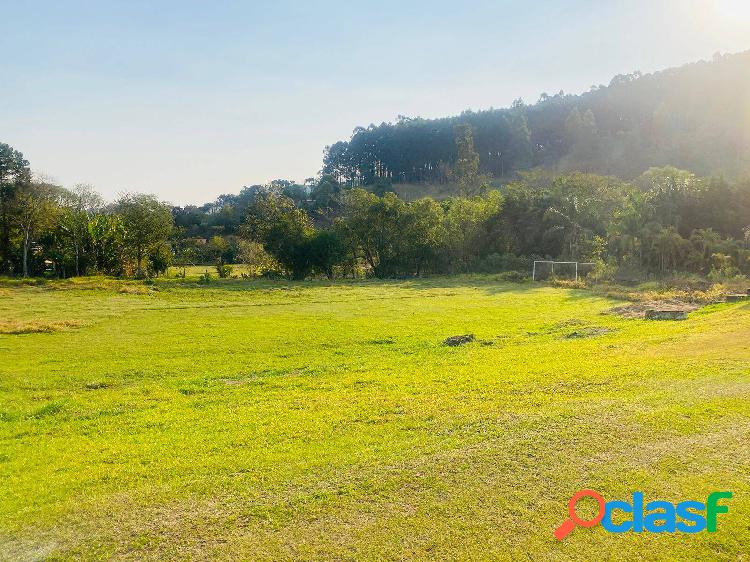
[572,268]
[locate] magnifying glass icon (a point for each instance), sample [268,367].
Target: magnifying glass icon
[573,520]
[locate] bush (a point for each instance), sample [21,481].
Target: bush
[602,272]
[223,270]
[255,258]
[159,259]
[272,274]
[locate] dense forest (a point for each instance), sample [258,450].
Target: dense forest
[646,176]
[696,117]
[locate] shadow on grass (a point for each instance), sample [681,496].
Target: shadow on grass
[487,283]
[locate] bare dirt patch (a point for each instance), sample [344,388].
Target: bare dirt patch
[588,332]
[455,341]
[638,309]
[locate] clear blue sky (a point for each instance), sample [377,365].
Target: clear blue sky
[192,99]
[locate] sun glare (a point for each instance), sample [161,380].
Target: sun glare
[734,10]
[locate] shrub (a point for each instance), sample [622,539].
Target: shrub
[159,259]
[223,270]
[602,272]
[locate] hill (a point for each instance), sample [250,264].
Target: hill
[695,117]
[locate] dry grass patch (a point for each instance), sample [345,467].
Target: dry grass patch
[638,309]
[134,290]
[36,326]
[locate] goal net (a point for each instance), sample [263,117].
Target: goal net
[560,269]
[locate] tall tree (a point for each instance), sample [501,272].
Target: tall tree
[284,230]
[36,206]
[81,205]
[465,170]
[146,222]
[14,172]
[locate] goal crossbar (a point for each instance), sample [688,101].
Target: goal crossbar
[533,271]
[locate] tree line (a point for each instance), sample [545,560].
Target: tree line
[46,228]
[664,220]
[694,117]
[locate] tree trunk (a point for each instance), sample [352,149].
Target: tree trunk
[26,237]
[139,260]
[5,242]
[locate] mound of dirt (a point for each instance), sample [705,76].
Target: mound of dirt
[455,341]
[638,309]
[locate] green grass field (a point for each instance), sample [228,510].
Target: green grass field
[269,421]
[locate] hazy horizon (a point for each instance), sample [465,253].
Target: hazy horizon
[190,101]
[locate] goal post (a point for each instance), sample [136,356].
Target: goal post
[553,263]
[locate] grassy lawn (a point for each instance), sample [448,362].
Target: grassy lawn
[194,271]
[260,420]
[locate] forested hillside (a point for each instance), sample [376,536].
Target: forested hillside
[695,117]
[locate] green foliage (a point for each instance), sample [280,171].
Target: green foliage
[724,268]
[327,251]
[397,238]
[254,256]
[14,173]
[497,263]
[223,270]
[159,259]
[146,222]
[326,194]
[465,170]
[694,117]
[284,230]
[107,243]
